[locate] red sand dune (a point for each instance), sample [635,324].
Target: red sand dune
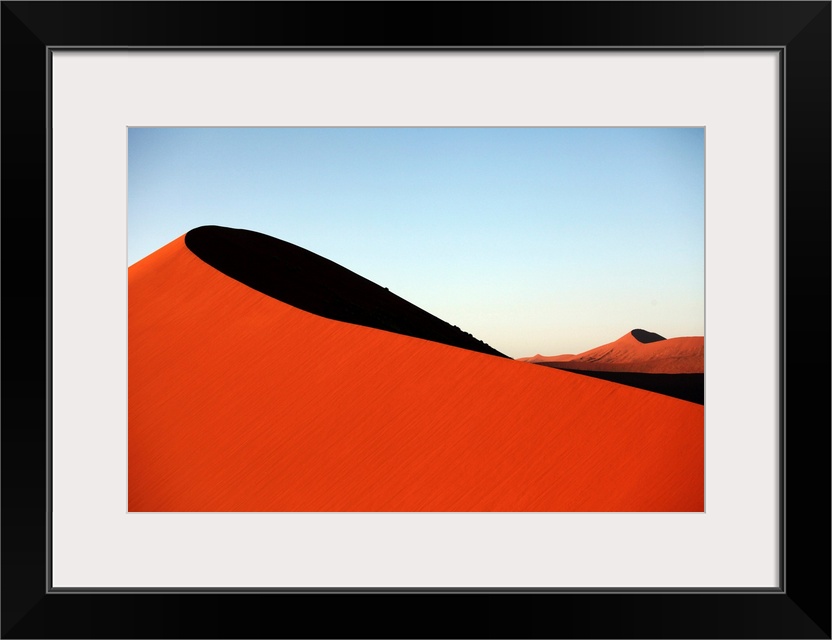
[239,402]
[674,355]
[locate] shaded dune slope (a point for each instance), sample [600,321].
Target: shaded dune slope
[310,282]
[240,402]
[685,386]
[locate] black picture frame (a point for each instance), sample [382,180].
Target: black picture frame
[799,608]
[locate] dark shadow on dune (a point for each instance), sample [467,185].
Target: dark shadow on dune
[310,282]
[646,337]
[685,386]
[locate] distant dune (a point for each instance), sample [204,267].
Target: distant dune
[641,359]
[239,401]
[638,351]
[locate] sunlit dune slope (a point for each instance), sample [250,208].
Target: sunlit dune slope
[240,402]
[637,351]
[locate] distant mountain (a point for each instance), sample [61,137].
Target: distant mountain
[241,401]
[638,351]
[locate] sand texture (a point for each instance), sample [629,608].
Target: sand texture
[241,402]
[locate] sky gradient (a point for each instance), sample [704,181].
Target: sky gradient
[534,240]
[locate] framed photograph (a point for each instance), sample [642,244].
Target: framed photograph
[338,394]
[510,311]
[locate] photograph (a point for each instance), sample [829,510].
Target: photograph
[421,319]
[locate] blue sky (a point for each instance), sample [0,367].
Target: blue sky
[535,240]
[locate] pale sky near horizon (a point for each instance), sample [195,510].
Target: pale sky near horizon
[534,240]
